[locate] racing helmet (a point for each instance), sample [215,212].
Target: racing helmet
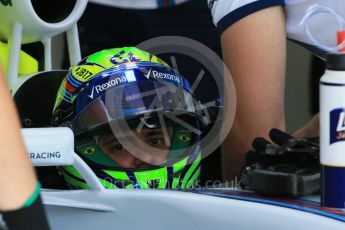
[135,121]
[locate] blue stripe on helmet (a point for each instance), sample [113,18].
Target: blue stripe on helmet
[73,81]
[133,178]
[170,171]
[67,95]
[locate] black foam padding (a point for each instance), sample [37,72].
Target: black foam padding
[336,62]
[298,183]
[279,137]
[260,144]
[36,97]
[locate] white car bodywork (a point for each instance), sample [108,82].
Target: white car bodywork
[152,209]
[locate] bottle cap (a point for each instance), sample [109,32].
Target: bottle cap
[336,61]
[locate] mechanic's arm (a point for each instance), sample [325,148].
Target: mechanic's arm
[254,50]
[311,129]
[16,168]
[20,202]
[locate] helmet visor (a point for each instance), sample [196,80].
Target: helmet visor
[137,123]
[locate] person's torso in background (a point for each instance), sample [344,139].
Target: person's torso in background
[140,4]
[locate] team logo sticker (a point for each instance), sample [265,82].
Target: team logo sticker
[156,74]
[337,125]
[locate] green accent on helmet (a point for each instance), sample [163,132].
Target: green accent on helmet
[178,166]
[117,174]
[156,178]
[78,183]
[193,179]
[130,186]
[176,181]
[71,170]
[192,168]
[110,57]
[74,182]
[112,174]
[107,184]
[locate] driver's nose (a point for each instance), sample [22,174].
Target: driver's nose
[130,161]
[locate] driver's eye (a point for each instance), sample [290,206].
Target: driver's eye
[155,141]
[118,147]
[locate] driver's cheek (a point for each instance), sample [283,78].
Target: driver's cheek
[143,152]
[160,154]
[154,154]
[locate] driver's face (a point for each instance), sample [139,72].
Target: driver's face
[155,154]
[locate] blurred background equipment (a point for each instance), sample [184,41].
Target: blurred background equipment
[29,21]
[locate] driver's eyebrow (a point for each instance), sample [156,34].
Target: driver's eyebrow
[146,132]
[155,132]
[111,140]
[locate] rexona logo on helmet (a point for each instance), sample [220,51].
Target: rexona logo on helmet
[135,121]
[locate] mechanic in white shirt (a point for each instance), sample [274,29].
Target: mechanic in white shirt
[253,36]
